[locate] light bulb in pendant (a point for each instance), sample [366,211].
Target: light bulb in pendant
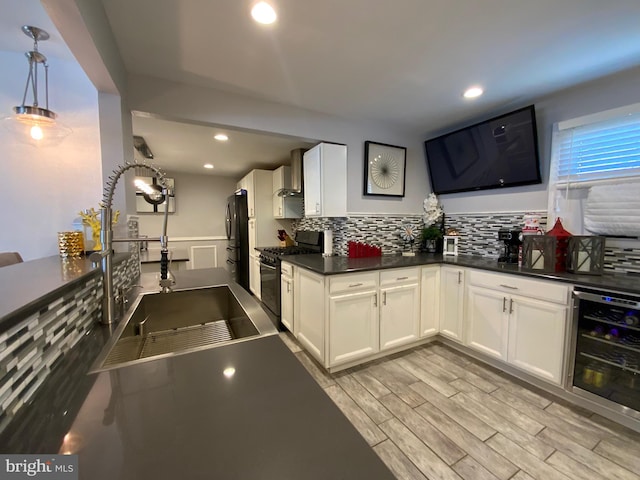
[36,132]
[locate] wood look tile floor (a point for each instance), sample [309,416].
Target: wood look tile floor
[434,413]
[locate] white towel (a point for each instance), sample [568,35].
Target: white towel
[613,210]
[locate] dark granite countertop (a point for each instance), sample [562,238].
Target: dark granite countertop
[335,265]
[181,417]
[28,285]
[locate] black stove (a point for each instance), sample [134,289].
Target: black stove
[272,255]
[270,258]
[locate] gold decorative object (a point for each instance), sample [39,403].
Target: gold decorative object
[92,219]
[70,244]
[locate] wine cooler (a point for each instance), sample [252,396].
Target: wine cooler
[605,365]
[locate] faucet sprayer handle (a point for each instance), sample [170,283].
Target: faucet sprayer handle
[164,264]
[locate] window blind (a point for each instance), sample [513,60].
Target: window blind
[598,151]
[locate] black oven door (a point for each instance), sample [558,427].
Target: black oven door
[270,287]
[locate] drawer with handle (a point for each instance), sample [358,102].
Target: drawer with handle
[517,285]
[352,282]
[399,275]
[286,269]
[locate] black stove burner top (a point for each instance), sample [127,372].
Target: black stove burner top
[292,250]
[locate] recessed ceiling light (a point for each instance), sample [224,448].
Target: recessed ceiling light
[263,13]
[473,92]
[208,165]
[221,137]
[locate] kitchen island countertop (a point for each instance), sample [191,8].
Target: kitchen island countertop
[239,411]
[335,265]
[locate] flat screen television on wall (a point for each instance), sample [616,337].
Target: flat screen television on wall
[497,153]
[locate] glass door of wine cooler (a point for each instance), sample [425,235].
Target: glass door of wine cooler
[607,353]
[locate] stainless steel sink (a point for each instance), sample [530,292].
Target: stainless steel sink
[162,324]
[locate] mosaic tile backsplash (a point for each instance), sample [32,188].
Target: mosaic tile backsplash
[478,234]
[31,349]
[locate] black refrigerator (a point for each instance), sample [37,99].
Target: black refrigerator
[237,229]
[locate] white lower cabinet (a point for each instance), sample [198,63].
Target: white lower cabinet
[429,300]
[349,318]
[286,297]
[452,302]
[254,275]
[399,315]
[309,311]
[518,320]
[353,326]
[536,337]
[372,311]
[487,321]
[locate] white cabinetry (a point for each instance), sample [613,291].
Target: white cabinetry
[254,260]
[248,183]
[399,307]
[287,296]
[325,181]
[452,302]
[487,321]
[345,318]
[353,318]
[263,226]
[520,320]
[371,312]
[254,276]
[286,206]
[430,300]
[536,337]
[309,311]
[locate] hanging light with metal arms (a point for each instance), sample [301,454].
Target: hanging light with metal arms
[32,123]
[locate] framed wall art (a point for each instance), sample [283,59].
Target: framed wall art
[384,169]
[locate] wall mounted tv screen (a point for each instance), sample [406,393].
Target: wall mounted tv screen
[497,153]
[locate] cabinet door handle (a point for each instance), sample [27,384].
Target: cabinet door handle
[504,304]
[352,285]
[375,299]
[509,287]
[459,277]
[288,287]
[511,305]
[384,298]
[317,207]
[402,278]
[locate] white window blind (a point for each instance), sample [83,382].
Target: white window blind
[595,149]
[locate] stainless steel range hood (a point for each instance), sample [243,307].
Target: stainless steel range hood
[296,186]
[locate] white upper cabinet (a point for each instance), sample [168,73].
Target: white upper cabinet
[325,181]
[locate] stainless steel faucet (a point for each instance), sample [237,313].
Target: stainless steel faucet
[105,257]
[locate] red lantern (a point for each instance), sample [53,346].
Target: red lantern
[562,245]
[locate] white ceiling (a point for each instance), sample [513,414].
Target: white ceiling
[404,62]
[182,147]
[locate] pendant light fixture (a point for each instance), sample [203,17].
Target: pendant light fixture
[33,123]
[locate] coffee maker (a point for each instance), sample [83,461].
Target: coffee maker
[512,240]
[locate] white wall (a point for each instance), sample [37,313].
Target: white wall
[43,189]
[200,207]
[181,102]
[603,94]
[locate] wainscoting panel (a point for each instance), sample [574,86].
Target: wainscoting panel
[203,256]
